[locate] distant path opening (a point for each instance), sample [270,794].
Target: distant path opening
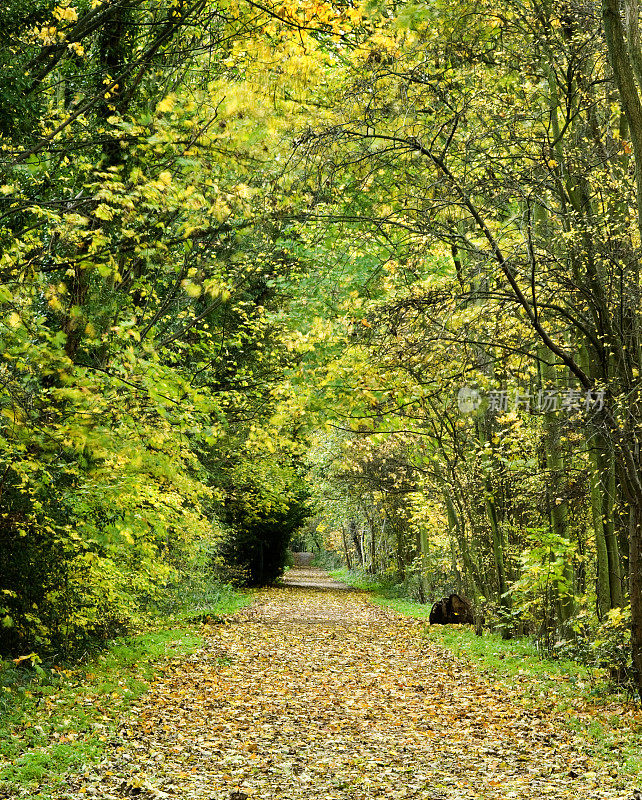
[303,576]
[303,559]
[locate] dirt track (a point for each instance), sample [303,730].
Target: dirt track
[319,694]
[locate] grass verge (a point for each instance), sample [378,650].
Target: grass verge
[609,720]
[59,720]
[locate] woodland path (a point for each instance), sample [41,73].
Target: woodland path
[313,692]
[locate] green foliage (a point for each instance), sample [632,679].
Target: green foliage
[198,594]
[92,538]
[362,580]
[602,645]
[332,562]
[136,284]
[385,588]
[544,581]
[611,647]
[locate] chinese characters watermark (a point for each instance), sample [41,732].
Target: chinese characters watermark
[545,401]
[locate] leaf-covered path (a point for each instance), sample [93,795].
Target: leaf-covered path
[316,693]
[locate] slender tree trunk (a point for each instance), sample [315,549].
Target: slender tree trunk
[346,549]
[603,589]
[356,540]
[612,548]
[635,587]
[458,534]
[498,549]
[400,551]
[556,467]
[626,62]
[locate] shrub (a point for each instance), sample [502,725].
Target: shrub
[261,514]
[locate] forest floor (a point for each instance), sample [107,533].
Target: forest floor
[314,692]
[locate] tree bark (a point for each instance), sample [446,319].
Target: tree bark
[624,57]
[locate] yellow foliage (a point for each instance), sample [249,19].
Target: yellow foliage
[167,104]
[65,14]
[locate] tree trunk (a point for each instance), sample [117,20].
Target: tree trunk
[498,552]
[607,475]
[624,57]
[356,539]
[346,549]
[555,489]
[603,590]
[635,588]
[458,533]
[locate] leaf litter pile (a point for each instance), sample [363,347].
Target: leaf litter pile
[315,693]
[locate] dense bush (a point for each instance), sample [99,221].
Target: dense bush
[262,513]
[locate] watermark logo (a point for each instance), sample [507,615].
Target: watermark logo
[545,401]
[468,400]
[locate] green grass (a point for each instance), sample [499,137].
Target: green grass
[369,583]
[57,720]
[199,597]
[610,722]
[514,659]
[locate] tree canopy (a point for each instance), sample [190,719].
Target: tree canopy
[364,273]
